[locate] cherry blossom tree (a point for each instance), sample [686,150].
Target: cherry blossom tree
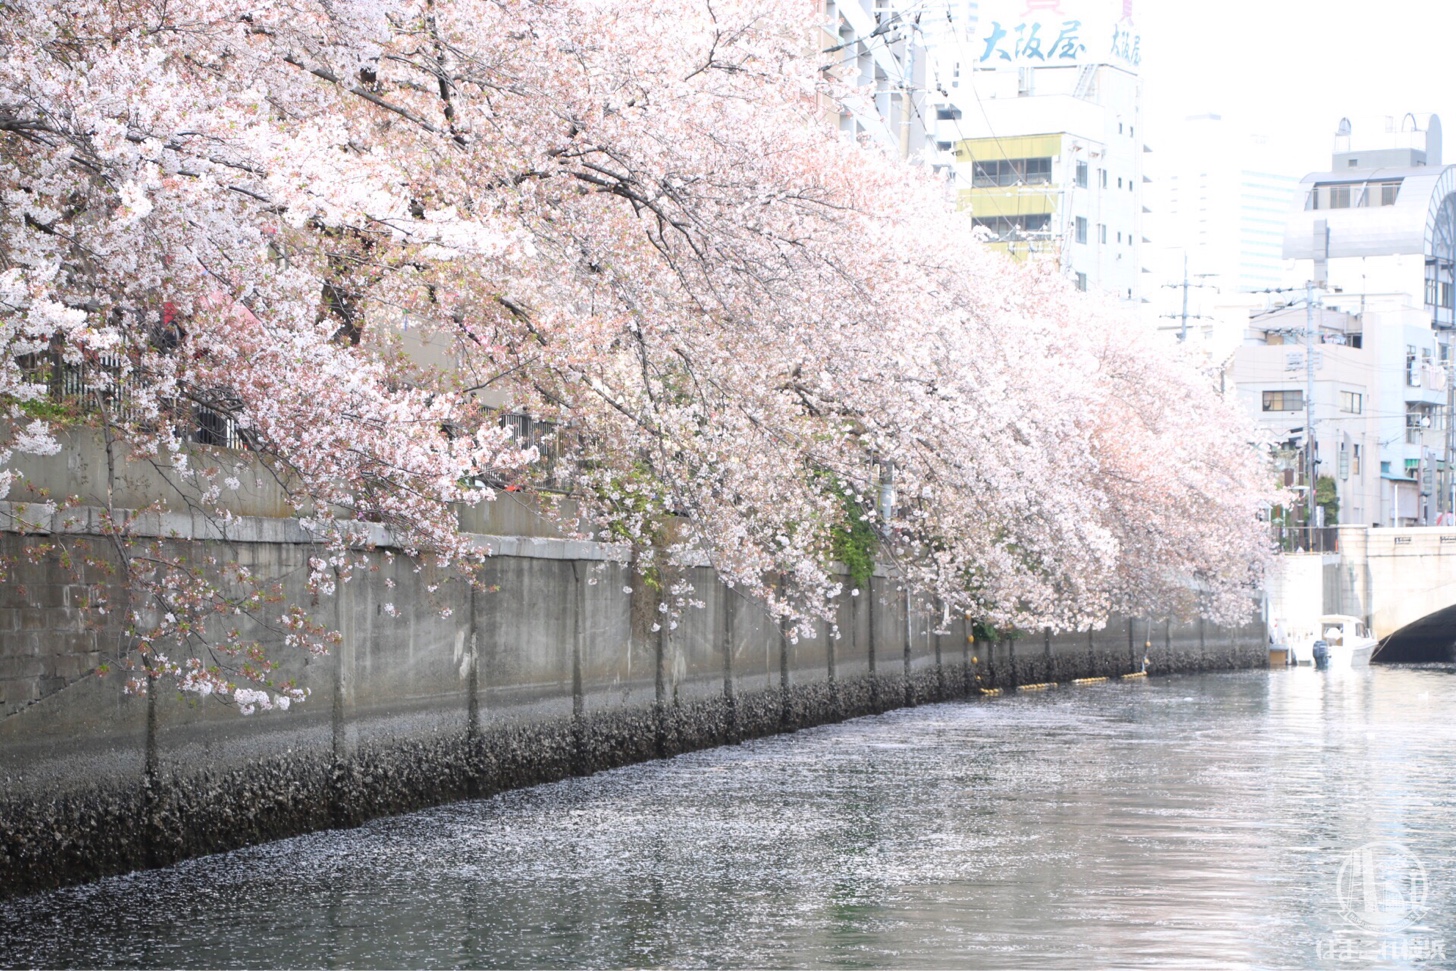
[628,220]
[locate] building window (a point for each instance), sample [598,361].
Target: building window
[1344,461]
[1119,182]
[1038,171]
[991,172]
[1330,197]
[1416,422]
[1081,281]
[1438,292]
[1102,177]
[1346,195]
[1355,463]
[955,75]
[1013,227]
[1016,171]
[1081,229]
[1352,402]
[1082,175]
[1119,236]
[1101,232]
[1283,400]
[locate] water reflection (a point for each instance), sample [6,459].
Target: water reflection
[1189,822]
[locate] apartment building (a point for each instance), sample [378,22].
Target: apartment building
[1375,236]
[1032,107]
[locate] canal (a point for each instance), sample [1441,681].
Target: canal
[1262,819]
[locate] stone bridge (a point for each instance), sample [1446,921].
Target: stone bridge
[1402,581]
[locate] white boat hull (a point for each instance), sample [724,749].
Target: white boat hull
[1350,655]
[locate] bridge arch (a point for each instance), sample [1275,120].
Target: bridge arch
[1427,640]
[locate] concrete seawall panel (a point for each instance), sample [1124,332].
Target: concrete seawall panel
[440,693]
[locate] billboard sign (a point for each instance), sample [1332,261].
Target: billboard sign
[1041,33]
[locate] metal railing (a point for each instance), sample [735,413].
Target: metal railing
[545,437]
[1306,539]
[101,384]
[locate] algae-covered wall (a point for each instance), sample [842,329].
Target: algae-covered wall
[448,693]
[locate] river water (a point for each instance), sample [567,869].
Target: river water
[1264,819]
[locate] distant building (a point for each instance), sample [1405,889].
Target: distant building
[878,47]
[1037,112]
[1218,214]
[1033,107]
[1376,234]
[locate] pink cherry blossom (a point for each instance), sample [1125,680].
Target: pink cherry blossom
[631,220]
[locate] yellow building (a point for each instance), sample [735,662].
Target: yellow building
[1011,193]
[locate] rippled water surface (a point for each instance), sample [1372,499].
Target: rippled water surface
[1191,822]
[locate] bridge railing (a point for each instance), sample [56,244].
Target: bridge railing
[1307,539]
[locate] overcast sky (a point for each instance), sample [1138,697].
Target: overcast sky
[1290,69]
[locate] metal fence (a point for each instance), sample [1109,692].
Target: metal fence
[544,436]
[1307,539]
[102,384]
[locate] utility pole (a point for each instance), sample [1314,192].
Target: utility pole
[1448,484]
[1185,316]
[1183,327]
[1446,501]
[1309,335]
[907,78]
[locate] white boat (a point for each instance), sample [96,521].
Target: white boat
[1346,640]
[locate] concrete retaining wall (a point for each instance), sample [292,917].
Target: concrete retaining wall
[454,694]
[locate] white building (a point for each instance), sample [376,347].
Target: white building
[1038,112]
[878,48]
[1032,106]
[1377,235]
[1218,213]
